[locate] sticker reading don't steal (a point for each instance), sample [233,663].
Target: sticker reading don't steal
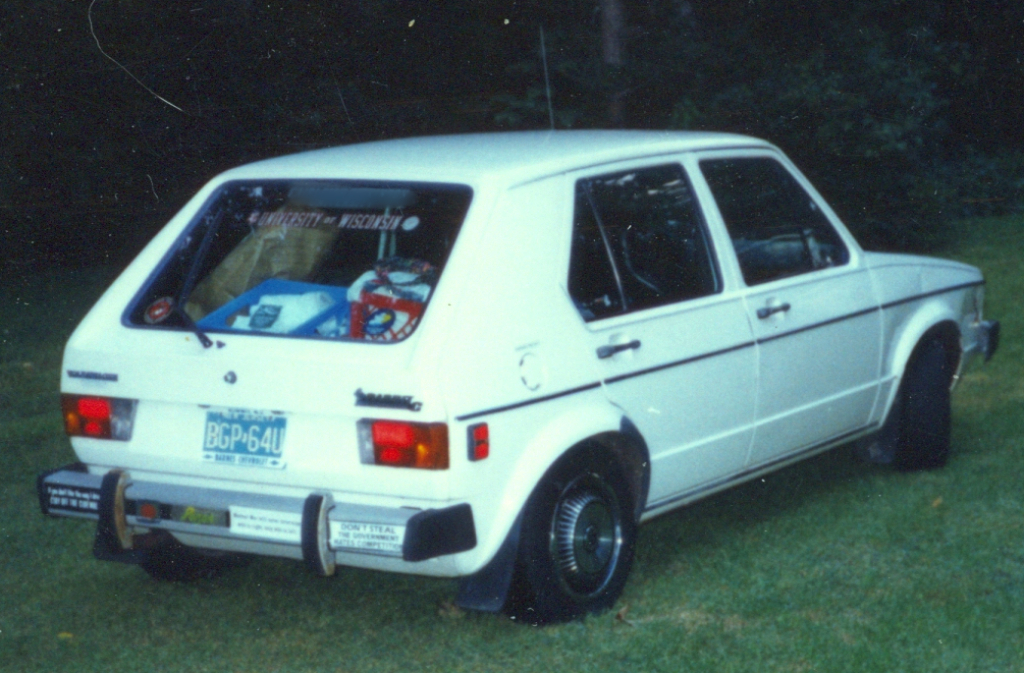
[368,538]
[266,524]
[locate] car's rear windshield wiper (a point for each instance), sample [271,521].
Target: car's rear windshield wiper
[191,324]
[213,221]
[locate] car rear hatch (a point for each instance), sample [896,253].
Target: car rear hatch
[281,323]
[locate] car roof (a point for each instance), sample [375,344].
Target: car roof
[511,157]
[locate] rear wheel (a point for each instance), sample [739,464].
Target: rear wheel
[925,416]
[576,545]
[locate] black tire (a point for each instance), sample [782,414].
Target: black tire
[172,561]
[576,543]
[924,407]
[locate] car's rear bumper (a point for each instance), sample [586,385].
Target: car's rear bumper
[315,528]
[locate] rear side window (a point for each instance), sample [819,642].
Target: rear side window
[776,227]
[638,242]
[337,260]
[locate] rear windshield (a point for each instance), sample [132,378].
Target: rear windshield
[317,259]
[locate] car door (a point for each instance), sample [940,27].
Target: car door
[673,348]
[810,301]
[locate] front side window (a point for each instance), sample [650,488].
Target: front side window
[776,227]
[337,260]
[638,242]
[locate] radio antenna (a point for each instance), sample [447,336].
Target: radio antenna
[547,82]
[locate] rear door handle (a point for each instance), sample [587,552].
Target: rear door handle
[769,311]
[611,349]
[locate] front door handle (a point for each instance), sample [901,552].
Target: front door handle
[769,311]
[611,349]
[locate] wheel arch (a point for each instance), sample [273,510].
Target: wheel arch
[596,424]
[924,328]
[629,449]
[625,446]
[593,425]
[946,331]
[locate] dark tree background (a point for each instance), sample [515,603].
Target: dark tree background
[907,114]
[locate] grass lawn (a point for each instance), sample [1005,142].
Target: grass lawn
[830,565]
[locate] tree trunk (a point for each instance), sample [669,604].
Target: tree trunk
[611,32]
[612,50]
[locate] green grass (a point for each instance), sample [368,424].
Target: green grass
[831,565]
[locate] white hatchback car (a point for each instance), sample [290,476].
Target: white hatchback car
[491,357]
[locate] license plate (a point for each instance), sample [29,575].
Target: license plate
[242,437]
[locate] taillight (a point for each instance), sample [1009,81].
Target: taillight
[98,417]
[404,444]
[479,441]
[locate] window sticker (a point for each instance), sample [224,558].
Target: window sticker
[374,221]
[312,219]
[379,322]
[158,311]
[302,219]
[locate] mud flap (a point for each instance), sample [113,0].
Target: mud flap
[487,589]
[113,540]
[315,534]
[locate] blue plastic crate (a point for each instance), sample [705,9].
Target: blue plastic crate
[340,310]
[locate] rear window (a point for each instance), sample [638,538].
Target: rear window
[317,259]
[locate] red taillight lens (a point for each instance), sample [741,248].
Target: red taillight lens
[402,444]
[479,441]
[95,408]
[98,417]
[393,435]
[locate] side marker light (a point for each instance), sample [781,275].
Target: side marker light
[479,441]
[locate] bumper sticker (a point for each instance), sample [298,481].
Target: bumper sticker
[266,524]
[72,498]
[198,515]
[367,537]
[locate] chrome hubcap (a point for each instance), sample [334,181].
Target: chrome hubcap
[587,537]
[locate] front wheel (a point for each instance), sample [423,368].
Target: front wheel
[925,416]
[576,545]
